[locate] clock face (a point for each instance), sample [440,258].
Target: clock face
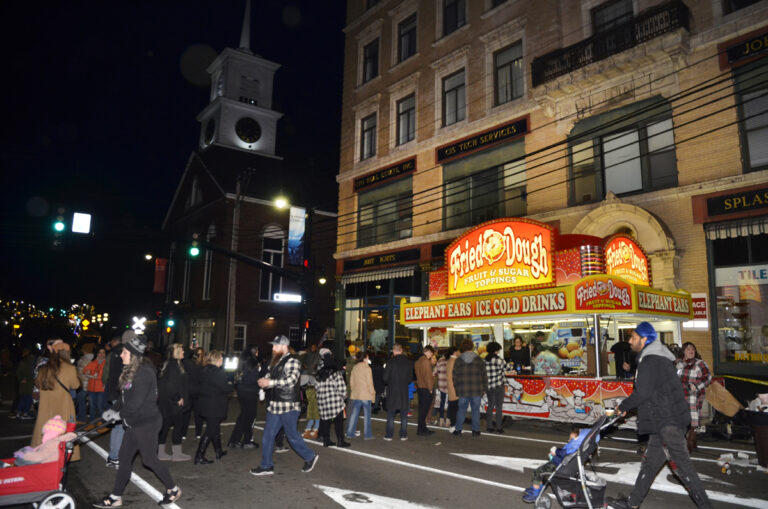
[210,129]
[248,130]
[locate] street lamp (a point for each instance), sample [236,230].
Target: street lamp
[147,256]
[281,202]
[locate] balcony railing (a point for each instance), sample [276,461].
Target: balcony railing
[646,26]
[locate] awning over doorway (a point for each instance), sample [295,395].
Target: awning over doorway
[378,275]
[739,228]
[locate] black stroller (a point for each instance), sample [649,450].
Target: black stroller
[571,484]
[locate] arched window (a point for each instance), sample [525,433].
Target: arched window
[273,243]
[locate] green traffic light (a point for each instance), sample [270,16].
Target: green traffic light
[59,226]
[194,251]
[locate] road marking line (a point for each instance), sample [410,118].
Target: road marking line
[353,498]
[17,437]
[135,479]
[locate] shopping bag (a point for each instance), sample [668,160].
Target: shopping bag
[723,401]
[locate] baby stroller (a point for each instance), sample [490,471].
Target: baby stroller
[43,484]
[571,484]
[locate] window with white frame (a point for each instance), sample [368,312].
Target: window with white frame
[454,98]
[406,38]
[384,213]
[454,15]
[272,252]
[406,119]
[509,75]
[752,91]
[208,264]
[370,60]
[368,137]
[241,335]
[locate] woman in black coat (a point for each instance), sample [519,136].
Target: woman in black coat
[248,397]
[193,365]
[212,403]
[173,400]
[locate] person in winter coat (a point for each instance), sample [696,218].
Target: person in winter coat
[362,394]
[194,361]
[398,374]
[173,401]
[441,375]
[248,398]
[470,380]
[495,368]
[81,401]
[114,368]
[136,407]
[695,376]
[331,391]
[214,391]
[663,414]
[425,384]
[377,370]
[96,395]
[453,400]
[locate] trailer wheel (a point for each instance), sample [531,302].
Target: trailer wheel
[58,500]
[544,502]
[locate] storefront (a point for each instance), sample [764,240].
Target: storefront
[572,296]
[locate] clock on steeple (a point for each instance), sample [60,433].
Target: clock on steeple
[239,113]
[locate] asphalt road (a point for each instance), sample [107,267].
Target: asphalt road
[441,471]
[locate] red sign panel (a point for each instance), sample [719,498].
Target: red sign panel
[501,255]
[602,293]
[699,304]
[625,259]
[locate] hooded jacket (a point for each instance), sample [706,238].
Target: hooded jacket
[469,375]
[658,393]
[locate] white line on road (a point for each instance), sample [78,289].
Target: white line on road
[17,437]
[135,479]
[354,498]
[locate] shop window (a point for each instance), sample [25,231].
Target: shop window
[454,98]
[454,15]
[368,137]
[384,213]
[406,119]
[622,153]
[370,61]
[751,91]
[238,343]
[272,253]
[508,63]
[730,6]
[406,38]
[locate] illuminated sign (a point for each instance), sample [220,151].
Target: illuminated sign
[287,297]
[498,255]
[625,259]
[602,293]
[658,302]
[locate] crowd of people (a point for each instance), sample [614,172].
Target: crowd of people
[146,398]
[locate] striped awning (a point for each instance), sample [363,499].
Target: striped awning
[739,228]
[378,275]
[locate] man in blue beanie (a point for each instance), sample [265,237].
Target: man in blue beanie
[662,413]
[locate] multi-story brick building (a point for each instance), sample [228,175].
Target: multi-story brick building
[597,117]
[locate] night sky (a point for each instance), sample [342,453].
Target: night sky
[99,116]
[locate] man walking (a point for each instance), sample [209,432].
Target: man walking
[425,382]
[284,406]
[662,413]
[398,373]
[495,367]
[471,382]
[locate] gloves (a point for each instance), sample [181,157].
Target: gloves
[111,415]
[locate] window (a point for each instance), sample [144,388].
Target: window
[384,213]
[753,110]
[454,98]
[454,15]
[249,90]
[272,252]
[370,61]
[472,196]
[368,137]
[610,15]
[195,196]
[241,330]
[730,6]
[406,119]
[633,152]
[406,38]
[208,264]
[509,73]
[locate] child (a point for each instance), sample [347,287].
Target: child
[313,412]
[54,432]
[555,458]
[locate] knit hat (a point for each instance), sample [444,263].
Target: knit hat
[281,340]
[128,336]
[324,351]
[646,330]
[136,345]
[54,427]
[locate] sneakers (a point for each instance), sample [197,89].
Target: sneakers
[250,445]
[109,501]
[309,465]
[388,439]
[281,449]
[475,433]
[456,432]
[531,494]
[171,496]
[25,417]
[262,471]
[112,463]
[451,429]
[403,439]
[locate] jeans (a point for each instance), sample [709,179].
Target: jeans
[82,406]
[116,440]
[287,422]
[390,429]
[25,404]
[668,445]
[352,421]
[98,403]
[474,402]
[495,401]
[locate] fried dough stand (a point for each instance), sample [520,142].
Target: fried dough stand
[504,278]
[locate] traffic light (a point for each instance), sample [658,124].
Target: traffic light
[59,227]
[194,248]
[170,322]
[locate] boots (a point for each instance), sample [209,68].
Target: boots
[161,454]
[217,447]
[178,455]
[690,438]
[327,442]
[200,454]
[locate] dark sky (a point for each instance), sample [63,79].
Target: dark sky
[99,115]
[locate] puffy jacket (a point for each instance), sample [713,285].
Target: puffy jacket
[658,393]
[137,403]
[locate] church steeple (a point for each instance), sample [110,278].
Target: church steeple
[240,113]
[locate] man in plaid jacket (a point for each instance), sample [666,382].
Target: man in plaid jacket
[495,368]
[471,381]
[284,406]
